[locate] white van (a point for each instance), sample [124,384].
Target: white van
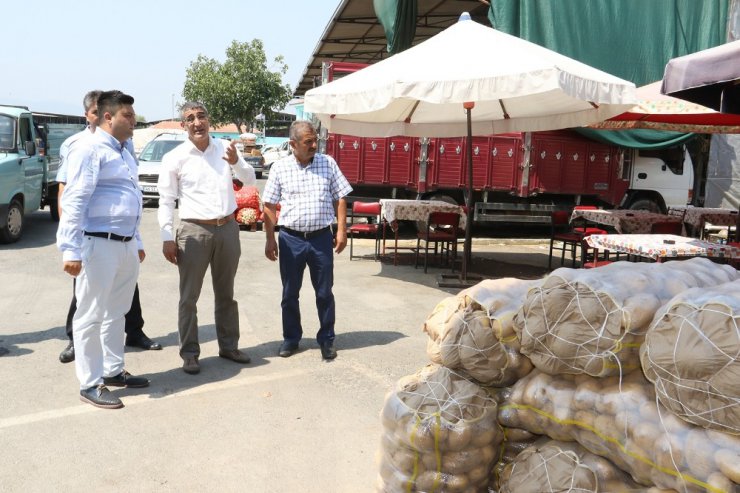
[150,159]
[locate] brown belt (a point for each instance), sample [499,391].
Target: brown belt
[212,222]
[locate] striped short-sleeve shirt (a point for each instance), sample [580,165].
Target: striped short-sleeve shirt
[306,194]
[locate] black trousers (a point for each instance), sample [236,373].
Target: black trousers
[134,321]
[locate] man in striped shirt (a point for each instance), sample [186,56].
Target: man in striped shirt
[310,189]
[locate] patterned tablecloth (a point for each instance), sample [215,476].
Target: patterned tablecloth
[624,221]
[655,246]
[417,210]
[713,215]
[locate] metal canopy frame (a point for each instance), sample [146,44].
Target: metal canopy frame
[354,34]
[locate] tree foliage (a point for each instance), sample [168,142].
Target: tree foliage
[240,88]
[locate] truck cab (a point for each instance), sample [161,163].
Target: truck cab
[659,179]
[22,170]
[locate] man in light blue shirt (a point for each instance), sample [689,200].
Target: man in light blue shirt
[101,211]
[134,321]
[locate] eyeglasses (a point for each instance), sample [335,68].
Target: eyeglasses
[198,116]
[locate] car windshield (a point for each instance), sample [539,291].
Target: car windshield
[156,149]
[7,130]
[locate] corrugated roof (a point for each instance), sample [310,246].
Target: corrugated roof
[354,33]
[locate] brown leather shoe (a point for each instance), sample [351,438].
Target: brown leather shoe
[190,365]
[235,355]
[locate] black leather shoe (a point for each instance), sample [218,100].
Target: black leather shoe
[100,396]
[287,349]
[143,342]
[328,351]
[68,355]
[125,379]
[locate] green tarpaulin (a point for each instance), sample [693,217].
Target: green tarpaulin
[632,39]
[637,139]
[398,18]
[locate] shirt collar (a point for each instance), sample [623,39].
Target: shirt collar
[107,139]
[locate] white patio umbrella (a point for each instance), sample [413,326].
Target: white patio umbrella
[513,85]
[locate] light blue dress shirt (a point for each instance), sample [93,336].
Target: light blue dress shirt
[101,195]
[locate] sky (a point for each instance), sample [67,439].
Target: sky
[54,52]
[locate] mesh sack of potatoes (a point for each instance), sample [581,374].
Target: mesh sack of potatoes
[440,434]
[593,320]
[620,419]
[473,332]
[551,466]
[692,355]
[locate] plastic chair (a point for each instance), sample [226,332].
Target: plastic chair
[370,210]
[441,233]
[667,228]
[561,232]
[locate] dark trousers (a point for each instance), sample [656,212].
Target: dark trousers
[295,254]
[134,321]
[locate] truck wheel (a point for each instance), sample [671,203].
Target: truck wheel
[13,228]
[645,205]
[258,174]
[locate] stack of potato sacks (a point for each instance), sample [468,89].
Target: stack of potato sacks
[441,432]
[635,386]
[594,335]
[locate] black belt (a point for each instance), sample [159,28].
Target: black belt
[303,234]
[109,236]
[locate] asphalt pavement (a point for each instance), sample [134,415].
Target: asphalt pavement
[274,425]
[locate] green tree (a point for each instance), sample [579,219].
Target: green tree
[239,89]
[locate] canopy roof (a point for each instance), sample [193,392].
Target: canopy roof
[354,34]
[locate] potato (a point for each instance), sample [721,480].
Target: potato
[700,453]
[430,461]
[458,437]
[461,462]
[586,394]
[435,481]
[405,460]
[482,437]
[479,475]
[518,435]
[728,462]
[720,482]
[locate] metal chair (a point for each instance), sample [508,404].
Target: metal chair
[580,225]
[561,232]
[441,234]
[590,256]
[370,211]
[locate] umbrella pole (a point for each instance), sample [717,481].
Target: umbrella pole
[464,279]
[469,222]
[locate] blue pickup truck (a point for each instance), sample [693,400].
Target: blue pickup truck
[28,166]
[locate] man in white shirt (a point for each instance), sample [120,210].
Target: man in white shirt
[198,174]
[101,212]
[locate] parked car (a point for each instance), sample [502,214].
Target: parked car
[275,153]
[150,159]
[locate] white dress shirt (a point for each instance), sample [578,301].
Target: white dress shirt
[201,181]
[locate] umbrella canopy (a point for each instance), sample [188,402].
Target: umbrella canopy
[709,77]
[656,111]
[515,85]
